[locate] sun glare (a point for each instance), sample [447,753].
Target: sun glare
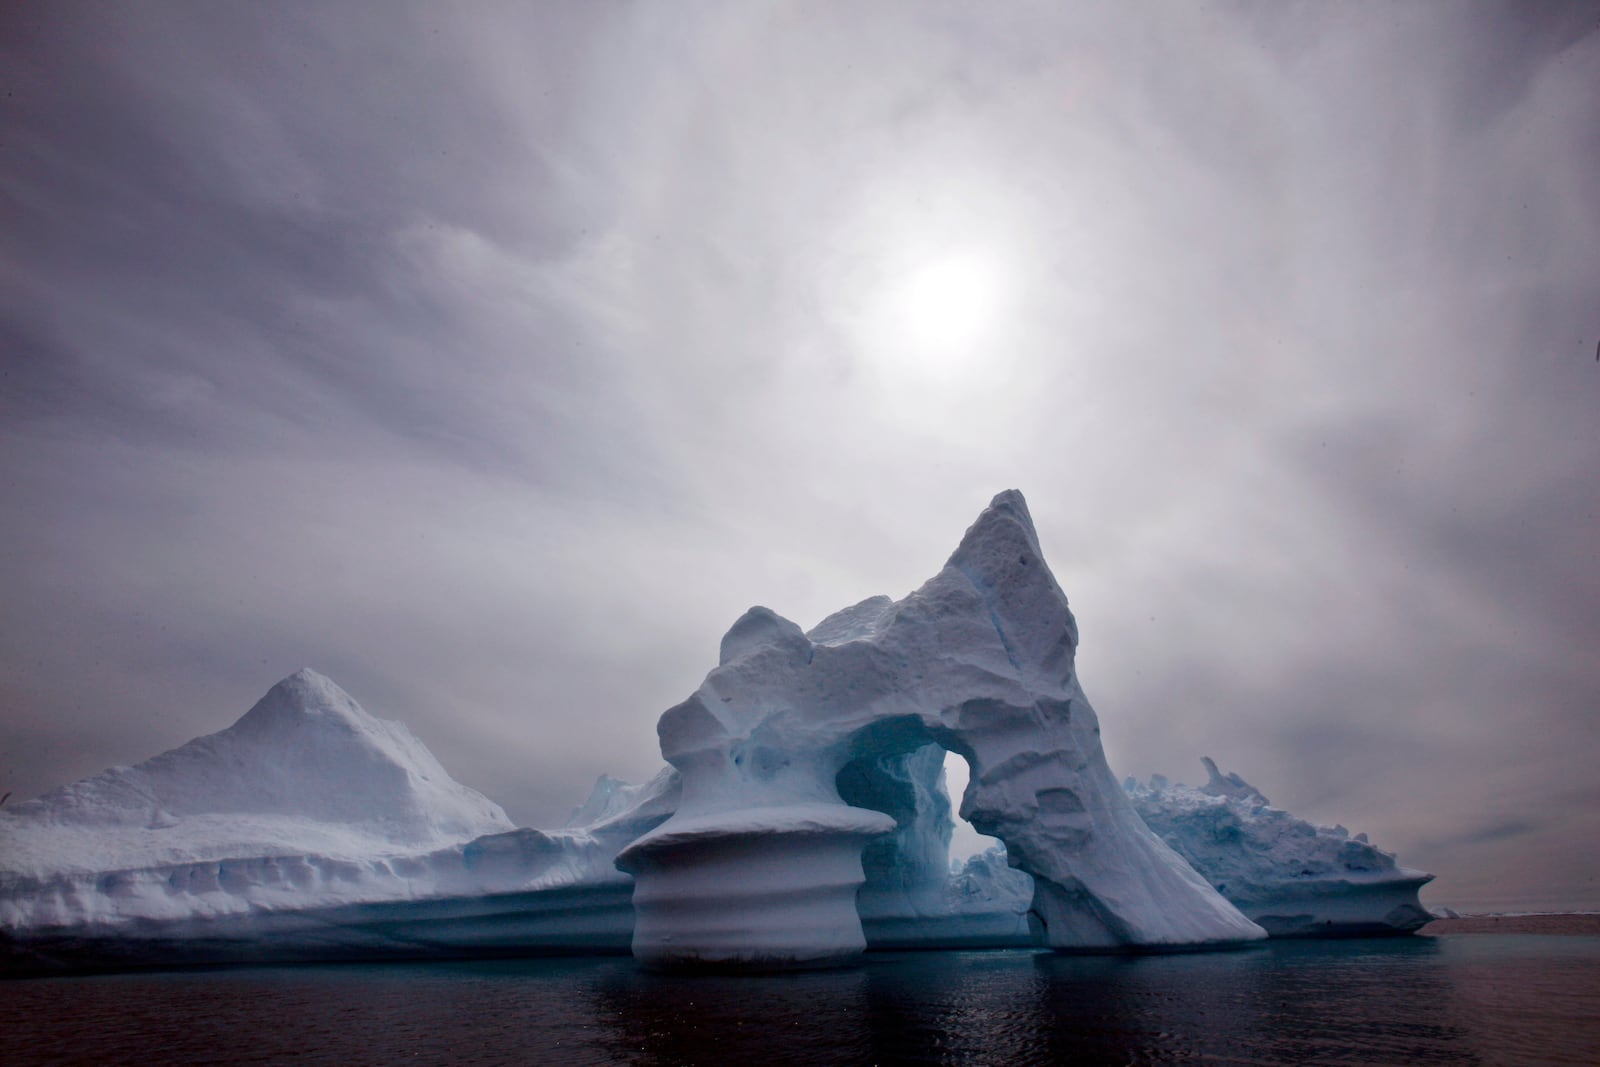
[924,279]
[948,303]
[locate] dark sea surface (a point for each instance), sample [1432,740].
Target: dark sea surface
[1453,998]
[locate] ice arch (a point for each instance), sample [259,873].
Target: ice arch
[760,864]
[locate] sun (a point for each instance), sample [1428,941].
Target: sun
[925,290]
[947,303]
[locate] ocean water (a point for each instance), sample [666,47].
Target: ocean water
[1452,999]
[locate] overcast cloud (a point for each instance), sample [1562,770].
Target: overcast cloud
[492,359]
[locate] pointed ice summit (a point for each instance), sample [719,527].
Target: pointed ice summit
[241,840]
[760,864]
[306,754]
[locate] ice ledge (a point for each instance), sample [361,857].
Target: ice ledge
[786,820]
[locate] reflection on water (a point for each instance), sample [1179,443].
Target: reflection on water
[1461,999]
[1296,1003]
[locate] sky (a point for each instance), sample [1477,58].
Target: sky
[493,358]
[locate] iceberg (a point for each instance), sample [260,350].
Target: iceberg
[761,863]
[802,817]
[1293,878]
[309,829]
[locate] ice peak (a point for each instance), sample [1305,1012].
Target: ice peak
[1001,557]
[1228,785]
[1002,531]
[306,750]
[310,688]
[303,697]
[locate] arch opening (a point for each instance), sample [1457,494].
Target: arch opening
[934,876]
[966,841]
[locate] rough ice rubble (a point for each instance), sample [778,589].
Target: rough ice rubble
[307,830]
[761,862]
[1293,878]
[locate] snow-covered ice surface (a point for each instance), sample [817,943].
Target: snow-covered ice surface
[309,829]
[760,863]
[305,769]
[1293,878]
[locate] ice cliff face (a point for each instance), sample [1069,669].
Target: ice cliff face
[1293,878]
[761,861]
